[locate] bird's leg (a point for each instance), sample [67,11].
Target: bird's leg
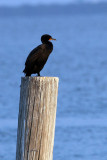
[38,74]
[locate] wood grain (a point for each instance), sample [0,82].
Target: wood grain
[37,114]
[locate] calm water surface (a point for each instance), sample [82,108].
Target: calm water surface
[79,59]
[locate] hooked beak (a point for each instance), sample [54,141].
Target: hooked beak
[52,39]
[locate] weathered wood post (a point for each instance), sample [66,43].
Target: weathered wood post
[36,121]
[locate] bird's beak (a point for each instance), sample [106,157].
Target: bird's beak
[52,39]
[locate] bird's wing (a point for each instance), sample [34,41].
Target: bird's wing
[34,55]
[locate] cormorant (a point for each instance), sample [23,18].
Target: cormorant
[38,56]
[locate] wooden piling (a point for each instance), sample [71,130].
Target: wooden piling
[36,121]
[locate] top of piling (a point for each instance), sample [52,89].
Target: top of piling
[37,78]
[43,78]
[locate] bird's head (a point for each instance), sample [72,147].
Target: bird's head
[45,38]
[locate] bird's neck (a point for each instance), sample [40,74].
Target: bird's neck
[49,45]
[46,42]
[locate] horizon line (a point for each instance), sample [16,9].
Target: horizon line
[53,4]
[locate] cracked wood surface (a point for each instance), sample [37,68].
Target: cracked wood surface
[36,121]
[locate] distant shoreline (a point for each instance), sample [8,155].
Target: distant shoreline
[54,4]
[55,9]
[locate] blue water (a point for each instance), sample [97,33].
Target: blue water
[79,59]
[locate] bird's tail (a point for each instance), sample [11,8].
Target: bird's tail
[24,71]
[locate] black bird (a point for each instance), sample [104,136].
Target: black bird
[38,56]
